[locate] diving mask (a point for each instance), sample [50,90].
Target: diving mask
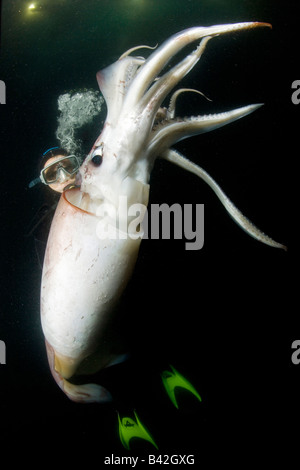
[51,173]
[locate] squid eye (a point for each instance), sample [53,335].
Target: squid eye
[97,160]
[97,156]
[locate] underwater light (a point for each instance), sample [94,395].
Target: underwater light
[31,6]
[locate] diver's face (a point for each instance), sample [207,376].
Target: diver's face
[64,179]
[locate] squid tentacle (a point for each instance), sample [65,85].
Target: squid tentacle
[159,59]
[175,157]
[162,87]
[136,48]
[173,99]
[170,132]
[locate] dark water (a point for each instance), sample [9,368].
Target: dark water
[224,316]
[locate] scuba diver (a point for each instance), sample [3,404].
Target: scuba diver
[59,170]
[59,167]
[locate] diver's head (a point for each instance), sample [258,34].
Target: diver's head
[58,169]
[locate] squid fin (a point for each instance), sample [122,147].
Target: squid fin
[83,393]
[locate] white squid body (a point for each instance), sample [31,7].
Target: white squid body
[84,273]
